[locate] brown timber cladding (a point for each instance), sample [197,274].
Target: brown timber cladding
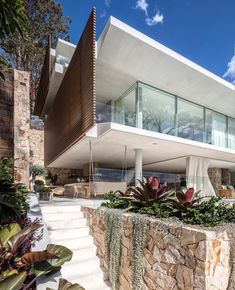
[44,81]
[6,116]
[74,108]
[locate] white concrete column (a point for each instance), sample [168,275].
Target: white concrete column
[138,165]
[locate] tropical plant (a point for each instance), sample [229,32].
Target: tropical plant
[13,197]
[66,285]
[6,170]
[150,192]
[17,265]
[184,199]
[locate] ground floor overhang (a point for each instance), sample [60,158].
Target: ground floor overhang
[160,152]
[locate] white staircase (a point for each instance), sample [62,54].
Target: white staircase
[67,227]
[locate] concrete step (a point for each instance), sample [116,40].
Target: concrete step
[84,254]
[65,224]
[76,244]
[60,216]
[55,209]
[92,282]
[59,235]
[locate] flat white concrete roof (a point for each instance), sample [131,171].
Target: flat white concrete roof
[125,55]
[159,150]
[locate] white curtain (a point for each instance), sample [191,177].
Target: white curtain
[197,175]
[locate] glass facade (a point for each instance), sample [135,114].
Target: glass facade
[158,110]
[190,120]
[149,108]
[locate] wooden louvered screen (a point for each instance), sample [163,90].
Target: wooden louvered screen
[74,108]
[44,81]
[6,116]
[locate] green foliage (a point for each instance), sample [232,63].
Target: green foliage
[17,262]
[184,205]
[158,210]
[6,170]
[12,19]
[66,285]
[37,170]
[45,17]
[112,240]
[209,213]
[14,202]
[39,182]
[139,230]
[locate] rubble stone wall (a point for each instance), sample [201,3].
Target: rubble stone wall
[21,126]
[175,257]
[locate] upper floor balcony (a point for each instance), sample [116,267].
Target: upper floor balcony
[146,107]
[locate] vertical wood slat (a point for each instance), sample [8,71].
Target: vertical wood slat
[44,81]
[6,116]
[74,108]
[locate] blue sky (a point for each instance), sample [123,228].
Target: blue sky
[201,30]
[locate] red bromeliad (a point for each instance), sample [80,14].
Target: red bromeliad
[150,190]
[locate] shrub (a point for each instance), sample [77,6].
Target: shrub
[6,170]
[37,170]
[19,266]
[182,204]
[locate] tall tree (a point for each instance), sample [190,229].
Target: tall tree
[45,18]
[12,19]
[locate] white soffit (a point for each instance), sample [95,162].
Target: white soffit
[124,50]
[109,141]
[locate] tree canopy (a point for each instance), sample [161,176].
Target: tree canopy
[12,19]
[45,17]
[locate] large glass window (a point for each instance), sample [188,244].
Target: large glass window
[152,109]
[190,121]
[215,128]
[231,133]
[126,108]
[158,110]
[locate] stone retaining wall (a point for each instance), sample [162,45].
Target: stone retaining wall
[175,257]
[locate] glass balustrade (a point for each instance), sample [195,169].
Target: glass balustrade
[149,108]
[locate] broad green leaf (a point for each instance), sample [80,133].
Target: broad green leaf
[7,274]
[66,285]
[16,241]
[7,232]
[63,254]
[14,282]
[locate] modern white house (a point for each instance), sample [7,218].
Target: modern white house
[124,105]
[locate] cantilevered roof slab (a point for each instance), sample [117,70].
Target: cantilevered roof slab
[108,141]
[123,52]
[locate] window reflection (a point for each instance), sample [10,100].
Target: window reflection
[190,121]
[158,110]
[215,128]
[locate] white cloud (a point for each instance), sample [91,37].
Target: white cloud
[103,14]
[142,5]
[107,2]
[230,73]
[158,18]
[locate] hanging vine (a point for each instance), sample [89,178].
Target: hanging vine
[139,232]
[113,236]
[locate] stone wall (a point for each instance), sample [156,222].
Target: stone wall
[6,116]
[21,126]
[175,257]
[36,146]
[215,178]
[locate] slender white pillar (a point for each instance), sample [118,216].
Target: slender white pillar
[138,165]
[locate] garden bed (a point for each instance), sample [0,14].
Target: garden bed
[141,252]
